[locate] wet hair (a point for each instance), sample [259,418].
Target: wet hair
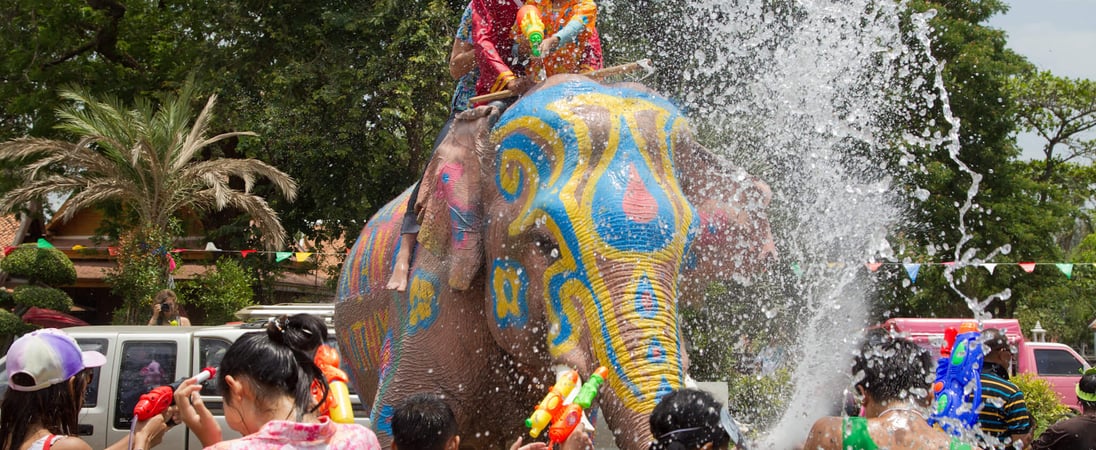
[57,408]
[686,419]
[279,361]
[890,367]
[423,422]
[1087,383]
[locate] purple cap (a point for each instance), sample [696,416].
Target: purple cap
[48,356]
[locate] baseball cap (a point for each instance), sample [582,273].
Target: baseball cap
[48,356]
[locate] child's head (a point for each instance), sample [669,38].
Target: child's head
[47,376]
[276,363]
[424,422]
[689,419]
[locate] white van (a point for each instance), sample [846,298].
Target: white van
[139,357]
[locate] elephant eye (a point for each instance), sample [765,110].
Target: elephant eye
[546,245]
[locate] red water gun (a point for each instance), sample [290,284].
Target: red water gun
[158,399]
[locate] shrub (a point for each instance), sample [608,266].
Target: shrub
[43,297]
[1042,402]
[47,266]
[6,299]
[758,399]
[11,326]
[220,292]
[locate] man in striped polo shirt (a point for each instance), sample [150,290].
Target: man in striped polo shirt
[1004,413]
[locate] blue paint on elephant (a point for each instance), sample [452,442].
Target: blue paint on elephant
[382,420]
[639,217]
[508,285]
[646,301]
[656,353]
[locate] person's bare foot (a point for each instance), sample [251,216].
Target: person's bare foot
[398,280]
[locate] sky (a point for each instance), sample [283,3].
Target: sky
[1055,35]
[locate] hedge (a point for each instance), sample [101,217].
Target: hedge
[43,297]
[47,266]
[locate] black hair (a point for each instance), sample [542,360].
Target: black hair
[686,419]
[891,367]
[56,408]
[279,361]
[423,422]
[1087,383]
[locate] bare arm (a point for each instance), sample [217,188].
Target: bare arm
[462,58]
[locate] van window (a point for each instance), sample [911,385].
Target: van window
[1056,362]
[210,352]
[91,397]
[145,365]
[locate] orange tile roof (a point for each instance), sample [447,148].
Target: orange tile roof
[9,226]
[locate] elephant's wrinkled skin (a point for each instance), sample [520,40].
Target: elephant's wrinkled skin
[555,236]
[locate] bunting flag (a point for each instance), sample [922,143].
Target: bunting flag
[43,243]
[949,263]
[113,251]
[77,247]
[1027,266]
[170,263]
[873,266]
[244,253]
[178,250]
[282,256]
[1067,269]
[911,270]
[989,267]
[302,256]
[211,247]
[8,249]
[796,269]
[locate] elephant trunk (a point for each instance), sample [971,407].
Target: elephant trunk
[642,347]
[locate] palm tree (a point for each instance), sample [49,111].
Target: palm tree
[147,160]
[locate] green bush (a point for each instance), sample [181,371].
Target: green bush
[11,325]
[43,297]
[6,299]
[220,292]
[758,399]
[47,266]
[1042,402]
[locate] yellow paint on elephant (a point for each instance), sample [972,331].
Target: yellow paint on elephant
[423,303]
[507,285]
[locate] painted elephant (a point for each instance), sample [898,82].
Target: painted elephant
[554,234]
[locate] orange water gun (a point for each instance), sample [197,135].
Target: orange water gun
[531,27]
[552,406]
[338,405]
[572,414]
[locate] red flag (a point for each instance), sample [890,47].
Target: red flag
[244,253]
[873,266]
[8,250]
[1027,266]
[113,251]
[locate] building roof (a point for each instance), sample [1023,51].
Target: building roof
[9,227]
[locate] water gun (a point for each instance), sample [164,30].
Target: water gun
[158,399]
[573,413]
[959,366]
[531,27]
[552,406]
[338,405]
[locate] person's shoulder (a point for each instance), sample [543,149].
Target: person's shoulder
[70,443]
[354,435]
[824,434]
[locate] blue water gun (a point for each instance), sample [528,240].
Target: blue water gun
[960,366]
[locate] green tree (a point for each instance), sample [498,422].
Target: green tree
[1061,111]
[148,159]
[222,291]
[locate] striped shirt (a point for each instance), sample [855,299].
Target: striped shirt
[1004,411]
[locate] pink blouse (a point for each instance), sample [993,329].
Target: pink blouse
[285,435]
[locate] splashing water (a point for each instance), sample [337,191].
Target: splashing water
[804,94]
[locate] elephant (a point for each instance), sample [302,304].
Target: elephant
[561,232]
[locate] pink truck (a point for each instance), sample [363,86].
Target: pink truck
[1056,363]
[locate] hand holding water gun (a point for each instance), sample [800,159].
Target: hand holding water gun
[960,366]
[160,398]
[552,406]
[531,27]
[338,405]
[572,414]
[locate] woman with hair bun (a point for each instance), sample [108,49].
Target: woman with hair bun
[265,379]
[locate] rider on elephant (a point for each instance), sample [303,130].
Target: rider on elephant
[572,47]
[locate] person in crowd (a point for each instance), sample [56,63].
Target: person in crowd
[166,310]
[48,376]
[691,419]
[425,422]
[571,44]
[895,378]
[266,381]
[1077,432]
[1004,416]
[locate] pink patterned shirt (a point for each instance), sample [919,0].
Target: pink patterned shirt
[285,435]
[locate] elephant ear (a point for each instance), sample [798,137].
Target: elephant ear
[734,238]
[449,206]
